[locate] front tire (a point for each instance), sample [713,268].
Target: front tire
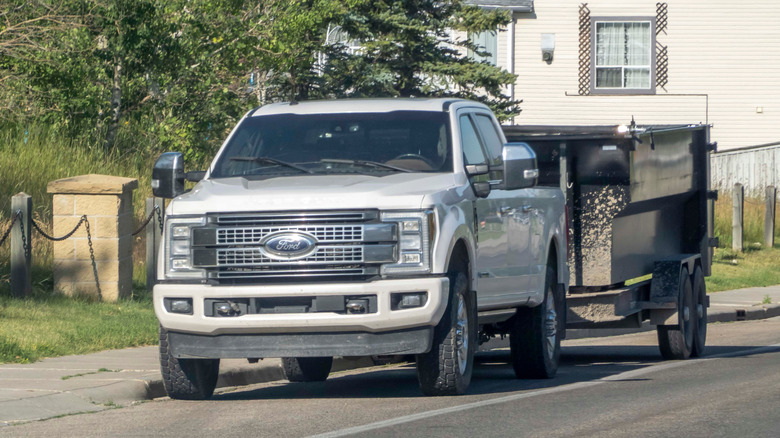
[186,379]
[447,368]
[535,335]
[306,369]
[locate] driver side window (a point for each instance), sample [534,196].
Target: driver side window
[472,149]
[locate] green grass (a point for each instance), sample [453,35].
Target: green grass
[47,325]
[752,268]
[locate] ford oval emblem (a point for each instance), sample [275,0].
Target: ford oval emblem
[289,245]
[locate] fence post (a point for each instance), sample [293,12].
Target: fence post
[21,260]
[153,237]
[737,218]
[769,219]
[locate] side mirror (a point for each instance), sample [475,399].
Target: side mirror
[520,168]
[168,175]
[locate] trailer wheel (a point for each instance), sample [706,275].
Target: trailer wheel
[186,379]
[535,335]
[700,315]
[446,369]
[676,341]
[306,369]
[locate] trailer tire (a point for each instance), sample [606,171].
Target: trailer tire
[700,314]
[307,369]
[535,335]
[186,379]
[676,341]
[446,369]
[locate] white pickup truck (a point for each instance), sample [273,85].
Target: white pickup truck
[360,228]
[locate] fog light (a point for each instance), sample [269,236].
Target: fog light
[179,305]
[223,309]
[408,300]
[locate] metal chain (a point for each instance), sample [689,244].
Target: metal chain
[10,227]
[92,256]
[24,240]
[58,239]
[146,222]
[159,217]
[84,221]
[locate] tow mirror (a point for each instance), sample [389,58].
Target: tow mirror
[168,175]
[520,168]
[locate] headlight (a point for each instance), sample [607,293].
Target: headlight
[178,248]
[416,233]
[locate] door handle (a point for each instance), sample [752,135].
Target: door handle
[527,209]
[506,210]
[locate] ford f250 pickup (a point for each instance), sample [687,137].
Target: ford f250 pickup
[359,228]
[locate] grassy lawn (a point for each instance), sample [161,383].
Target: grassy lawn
[47,325]
[752,268]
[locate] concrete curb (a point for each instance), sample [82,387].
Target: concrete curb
[149,388]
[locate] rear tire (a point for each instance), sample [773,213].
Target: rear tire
[535,335]
[186,379]
[700,315]
[676,341]
[306,369]
[447,368]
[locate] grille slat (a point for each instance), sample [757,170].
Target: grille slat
[323,255]
[323,233]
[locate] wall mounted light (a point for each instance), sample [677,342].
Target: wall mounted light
[548,47]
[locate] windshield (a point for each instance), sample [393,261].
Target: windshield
[367,143]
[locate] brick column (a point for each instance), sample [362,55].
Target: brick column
[108,203]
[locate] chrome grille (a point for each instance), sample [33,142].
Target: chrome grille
[323,255]
[323,233]
[347,244]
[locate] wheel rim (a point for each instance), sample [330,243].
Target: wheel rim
[551,324]
[687,317]
[462,335]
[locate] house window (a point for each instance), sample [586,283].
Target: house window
[485,42]
[623,58]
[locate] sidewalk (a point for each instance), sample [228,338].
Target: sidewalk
[94,382]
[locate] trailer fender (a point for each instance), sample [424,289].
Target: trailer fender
[664,287]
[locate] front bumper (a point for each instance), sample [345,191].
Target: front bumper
[407,341]
[383,320]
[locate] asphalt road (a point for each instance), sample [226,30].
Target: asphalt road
[606,387]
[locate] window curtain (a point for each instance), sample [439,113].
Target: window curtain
[637,54]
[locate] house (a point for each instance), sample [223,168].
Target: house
[680,61]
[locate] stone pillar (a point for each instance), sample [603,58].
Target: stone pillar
[108,203]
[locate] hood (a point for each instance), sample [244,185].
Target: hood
[311,192]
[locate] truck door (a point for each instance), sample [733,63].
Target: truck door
[513,208]
[491,232]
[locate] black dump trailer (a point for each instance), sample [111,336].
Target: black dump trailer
[640,219]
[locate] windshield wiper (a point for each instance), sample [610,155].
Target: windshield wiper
[365,163]
[269,160]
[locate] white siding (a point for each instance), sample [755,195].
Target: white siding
[728,51]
